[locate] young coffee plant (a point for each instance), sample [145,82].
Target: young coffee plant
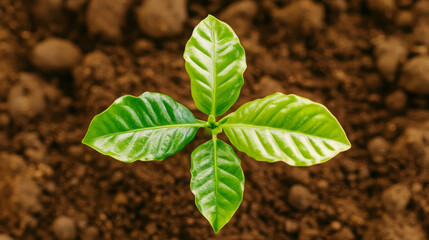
[278,127]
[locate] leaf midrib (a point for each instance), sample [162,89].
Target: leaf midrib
[232,125]
[184,125]
[214,76]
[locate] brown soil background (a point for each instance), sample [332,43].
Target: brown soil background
[63,61]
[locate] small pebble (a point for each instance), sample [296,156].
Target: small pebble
[335,225]
[416,187]
[383,8]
[48,11]
[26,194]
[291,226]
[107,18]
[143,46]
[415,77]
[303,17]
[239,16]
[160,19]
[396,198]
[348,165]
[64,228]
[55,54]
[4,120]
[405,19]
[121,199]
[300,197]
[91,233]
[344,234]
[390,53]
[396,101]
[378,147]
[26,99]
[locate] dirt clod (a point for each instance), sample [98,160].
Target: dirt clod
[49,12]
[396,198]
[414,77]
[378,147]
[26,194]
[304,17]
[405,19]
[390,54]
[386,8]
[394,228]
[64,228]
[396,101]
[160,19]
[91,233]
[55,54]
[107,18]
[300,197]
[291,226]
[344,234]
[239,16]
[26,100]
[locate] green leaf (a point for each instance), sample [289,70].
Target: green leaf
[217,181]
[150,127]
[215,62]
[285,128]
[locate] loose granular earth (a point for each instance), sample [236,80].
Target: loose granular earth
[63,61]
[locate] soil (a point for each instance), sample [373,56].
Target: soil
[366,60]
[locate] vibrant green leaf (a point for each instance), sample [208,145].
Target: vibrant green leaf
[285,128]
[150,127]
[215,62]
[217,181]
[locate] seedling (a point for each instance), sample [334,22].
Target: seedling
[278,127]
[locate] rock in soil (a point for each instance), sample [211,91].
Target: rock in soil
[421,8]
[305,17]
[390,53]
[394,228]
[26,100]
[107,18]
[300,197]
[160,19]
[378,147]
[396,101]
[64,228]
[291,226]
[26,194]
[344,234]
[55,54]
[414,141]
[5,237]
[396,198]
[90,233]
[49,11]
[383,8]
[405,19]
[239,16]
[415,77]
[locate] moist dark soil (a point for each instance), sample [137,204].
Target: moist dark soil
[63,61]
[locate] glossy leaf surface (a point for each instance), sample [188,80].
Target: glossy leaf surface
[215,62]
[150,127]
[285,128]
[217,181]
